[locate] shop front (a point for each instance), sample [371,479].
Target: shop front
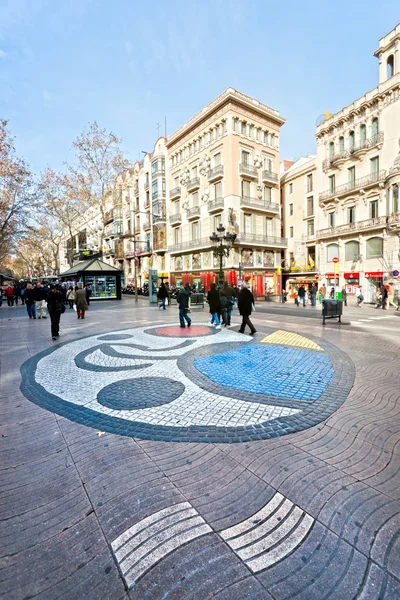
[295,281]
[352,282]
[373,281]
[103,279]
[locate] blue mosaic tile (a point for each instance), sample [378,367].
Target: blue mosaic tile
[274,370]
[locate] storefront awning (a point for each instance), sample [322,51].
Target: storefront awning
[91,266]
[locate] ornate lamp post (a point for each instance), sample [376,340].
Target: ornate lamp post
[222,245]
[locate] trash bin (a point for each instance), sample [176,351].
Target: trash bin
[332,309]
[339,296]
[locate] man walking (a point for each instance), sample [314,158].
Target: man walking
[229,292]
[162,295]
[344,295]
[215,306]
[40,301]
[322,293]
[302,295]
[313,294]
[56,307]
[30,301]
[183,303]
[245,305]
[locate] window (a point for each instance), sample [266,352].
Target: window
[310,227]
[395,193]
[195,199]
[251,131]
[243,128]
[176,181]
[375,247]
[373,209]
[331,219]
[265,137]
[196,230]
[177,235]
[309,183]
[269,226]
[234,123]
[341,144]
[390,66]
[291,231]
[291,209]
[218,190]
[332,251]
[246,189]
[310,206]
[217,159]
[291,258]
[374,127]
[331,150]
[245,157]
[194,172]
[267,194]
[154,189]
[363,135]
[352,251]
[351,140]
[290,188]
[374,162]
[247,223]
[351,214]
[164,188]
[268,164]
[351,176]
[331,180]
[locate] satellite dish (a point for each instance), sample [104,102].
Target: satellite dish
[320,120]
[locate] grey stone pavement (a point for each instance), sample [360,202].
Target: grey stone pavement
[310,515]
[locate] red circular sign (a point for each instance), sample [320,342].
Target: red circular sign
[335,260]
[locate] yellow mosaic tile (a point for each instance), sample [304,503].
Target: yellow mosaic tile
[286,338]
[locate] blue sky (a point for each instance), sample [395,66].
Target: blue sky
[127,64]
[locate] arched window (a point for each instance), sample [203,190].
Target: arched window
[390,66]
[375,247]
[332,251]
[341,143]
[331,150]
[352,251]
[351,140]
[363,135]
[375,127]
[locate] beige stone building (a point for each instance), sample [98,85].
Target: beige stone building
[224,169]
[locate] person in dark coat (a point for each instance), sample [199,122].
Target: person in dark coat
[229,292]
[301,295]
[162,295]
[344,295]
[313,294]
[385,295]
[81,302]
[55,306]
[215,306]
[183,303]
[88,292]
[245,306]
[30,301]
[223,300]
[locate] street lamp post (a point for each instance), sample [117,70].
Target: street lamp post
[222,245]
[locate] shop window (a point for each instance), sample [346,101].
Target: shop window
[352,251]
[332,251]
[375,247]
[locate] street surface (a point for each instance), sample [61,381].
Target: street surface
[142,461]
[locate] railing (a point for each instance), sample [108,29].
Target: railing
[193,212]
[157,218]
[260,204]
[193,183]
[191,245]
[268,240]
[176,218]
[363,145]
[353,185]
[269,176]
[245,169]
[216,204]
[216,172]
[175,192]
[393,221]
[357,226]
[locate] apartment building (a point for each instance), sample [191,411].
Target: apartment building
[299,200]
[358,163]
[224,169]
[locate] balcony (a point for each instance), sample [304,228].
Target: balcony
[136,189]
[260,205]
[147,184]
[137,230]
[175,193]
[109,230]
[193,213]
[393,222]
[216,173]
[264,240]
[357,151]
[351,186]
[175,219]
[161,217]
[193,184]
[158,173]
[147,204]
[215,205]
[329,232]
[248,171]
[191,245]
[108,217]
[147,225]
[268,176]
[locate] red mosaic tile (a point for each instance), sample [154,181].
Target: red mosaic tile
[177,331]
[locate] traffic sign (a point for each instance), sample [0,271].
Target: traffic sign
[336,268]
[395,273]
[335,259]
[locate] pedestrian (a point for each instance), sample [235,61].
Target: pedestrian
[332,293]
[344,295]
[17,291]
[229,292]
[56,306]
[360,298]
[81,301]
[215,306]
[1,297]
[30,301]
[322,293]
[162,295]
[88,292]
[40,301]
[71,296]
[246,306]
[183,303]
[313,294]
[22,294]
[390,289]
[302,295]
[385,295]
[223,301]
[378,298]
[10,295]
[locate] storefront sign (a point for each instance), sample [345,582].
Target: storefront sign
[374,275]
[352,275]
[329,275]
[336,268]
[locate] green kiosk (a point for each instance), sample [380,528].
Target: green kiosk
[104,279]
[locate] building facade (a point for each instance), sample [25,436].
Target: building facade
[358,166]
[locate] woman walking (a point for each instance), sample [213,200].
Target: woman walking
[55,306]
[71,296]
[80,301]
[245,306]
[215,306]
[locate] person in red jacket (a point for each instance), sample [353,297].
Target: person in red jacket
[10,295]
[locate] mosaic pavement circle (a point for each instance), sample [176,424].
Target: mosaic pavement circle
[214,386]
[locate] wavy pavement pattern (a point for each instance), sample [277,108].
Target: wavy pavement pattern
[269,535]
[139,548]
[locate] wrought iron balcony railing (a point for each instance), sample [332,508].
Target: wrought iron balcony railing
[193,184]
[216,173]
[264,205]
[175,193]
[193,213]
[248,170]
[175,219]
[215,204]
[269,176]
[267,240]
[354,150]
[374,223]
[351,186]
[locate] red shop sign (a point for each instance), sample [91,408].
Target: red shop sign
[374,274]
[330,275]
[352,275]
